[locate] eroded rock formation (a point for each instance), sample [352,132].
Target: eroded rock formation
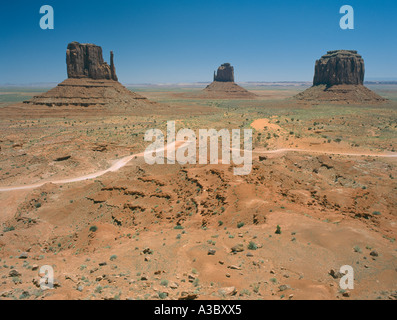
[225,73]
[339,67]
[224,87]
[339,78]
[86,61]
[91,83]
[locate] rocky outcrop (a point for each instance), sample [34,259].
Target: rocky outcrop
[112,67]
[339,67]
[225,73]
[86,61]
[339,94]
[224,87]
[339,78]
[85,92]
[91,83]
[226,90]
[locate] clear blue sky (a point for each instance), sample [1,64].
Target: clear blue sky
[185,40]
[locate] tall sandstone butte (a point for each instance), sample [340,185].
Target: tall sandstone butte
[225,73]
[91,83]
[339,78]
[339,67]
[86,61]
[224,87]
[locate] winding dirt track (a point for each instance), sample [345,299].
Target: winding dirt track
[122,162]
[113,168]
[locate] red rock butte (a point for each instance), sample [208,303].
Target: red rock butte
[91,83]
[339,78]
[224,87]
[86,61]
[225,73]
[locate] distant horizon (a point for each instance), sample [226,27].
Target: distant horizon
[46,84]
[157,42]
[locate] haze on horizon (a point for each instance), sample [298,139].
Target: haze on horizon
[172,42]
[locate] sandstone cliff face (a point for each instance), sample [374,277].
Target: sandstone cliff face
[112,67]
[86,61]
[339,78]
[224,87]
[225,73]
[91,83]
[339,67]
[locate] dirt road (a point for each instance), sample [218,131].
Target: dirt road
[122,162]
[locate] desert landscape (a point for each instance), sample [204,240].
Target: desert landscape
[77,194]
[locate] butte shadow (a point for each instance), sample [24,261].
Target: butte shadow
[339,79]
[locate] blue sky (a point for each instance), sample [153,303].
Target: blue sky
[185,41]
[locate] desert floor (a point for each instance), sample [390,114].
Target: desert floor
[325,174]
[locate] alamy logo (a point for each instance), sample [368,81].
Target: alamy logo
[47,277]
[182,147]
[47,21]
[347,21]
[347,280]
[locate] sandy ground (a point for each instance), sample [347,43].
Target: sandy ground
[122,229]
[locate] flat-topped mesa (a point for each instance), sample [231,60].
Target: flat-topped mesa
[339,67]
[225,73]
[86,61]
[339,78]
